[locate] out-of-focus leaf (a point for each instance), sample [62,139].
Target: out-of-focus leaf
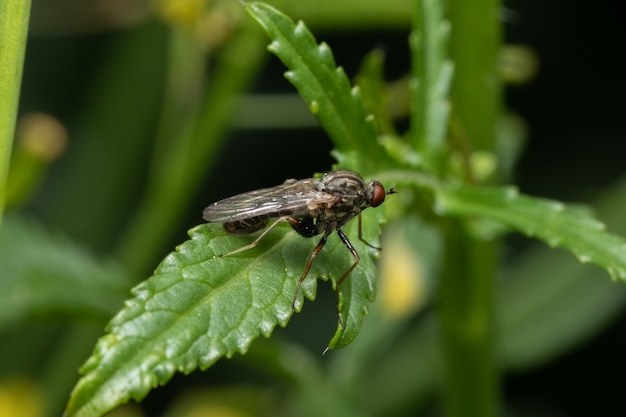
[44,273]
[551,221]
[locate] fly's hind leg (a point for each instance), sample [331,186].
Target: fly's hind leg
[357,259]
[317,250]
[261,236]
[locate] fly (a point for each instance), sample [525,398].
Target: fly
[311,206]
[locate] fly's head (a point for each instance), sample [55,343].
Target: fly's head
[375,194]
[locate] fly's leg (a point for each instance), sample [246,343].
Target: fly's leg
[363,240]
[317,250]
[357,259]
[261,236]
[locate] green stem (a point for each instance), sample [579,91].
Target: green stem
[471,387]
[466,314]
[475,42]
[430,84]
[14,16]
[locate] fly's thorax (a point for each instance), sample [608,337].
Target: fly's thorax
[349,189]
[354,195]
[346,185]
[333,218]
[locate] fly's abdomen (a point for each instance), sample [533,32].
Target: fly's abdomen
[245,227]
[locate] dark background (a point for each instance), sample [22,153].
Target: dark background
[576,146]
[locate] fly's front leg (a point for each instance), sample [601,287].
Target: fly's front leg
[363,240]
[258,239]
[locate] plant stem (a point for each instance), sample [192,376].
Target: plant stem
[466,314]
[431,72]
[14,17]
[466,303]
[475,41]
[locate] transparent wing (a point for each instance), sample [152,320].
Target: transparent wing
[293,198]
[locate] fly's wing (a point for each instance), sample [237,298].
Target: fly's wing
[293,198]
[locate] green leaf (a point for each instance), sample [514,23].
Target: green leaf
[45,274]
[548,303]
[14,16]
[548,220]
[197,308]
[324,86]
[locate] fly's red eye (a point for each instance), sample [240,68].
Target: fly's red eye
[379,194]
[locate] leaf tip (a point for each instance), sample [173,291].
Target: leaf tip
[274,47]
[616,275]
[553,242]
[325,53]
[314,106]
[253,6]
[300,28]
[511,193]
[291,76]
[557,206]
